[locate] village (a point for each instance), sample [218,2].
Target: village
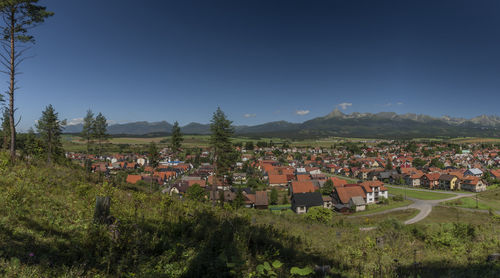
[346,178]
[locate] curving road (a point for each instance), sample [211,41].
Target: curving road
[424,206]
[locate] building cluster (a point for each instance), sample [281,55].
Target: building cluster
[300,174]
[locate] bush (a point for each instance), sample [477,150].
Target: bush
[319,214]
[398,198]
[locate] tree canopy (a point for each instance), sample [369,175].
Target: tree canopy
[176,140]
[50,129]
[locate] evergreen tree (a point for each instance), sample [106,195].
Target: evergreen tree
[50,129]
[154,155]
[220,141]
[221,198]
[274,196]
[19,17]
[100,130]
[195,192]
[239,201]
[176,140]
[249,146]
[327,188]
[31,145]
[389,166]
[88,128]
[285,200]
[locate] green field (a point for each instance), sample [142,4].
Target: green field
[467,202]
[489,199]
[375,208]
[422,195]
[468,140]
[453,215]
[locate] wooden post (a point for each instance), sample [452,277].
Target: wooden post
[101,211]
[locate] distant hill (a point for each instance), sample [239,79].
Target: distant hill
[336,123]
[135,128]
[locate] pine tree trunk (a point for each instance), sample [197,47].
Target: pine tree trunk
[11,87]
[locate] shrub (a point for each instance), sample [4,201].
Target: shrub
[398,198]
[319,214]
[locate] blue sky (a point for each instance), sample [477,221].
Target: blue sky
[262,60]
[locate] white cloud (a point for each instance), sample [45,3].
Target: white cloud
[399,103]
[388,104]
[344,105]
[249,115]
[302,112]
[75,121]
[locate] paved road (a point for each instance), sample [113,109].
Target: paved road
[424,206]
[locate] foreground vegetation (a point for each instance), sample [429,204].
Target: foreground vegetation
[47,230]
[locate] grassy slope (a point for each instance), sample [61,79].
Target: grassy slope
[374,208]
[369,221]
[489,199]
[46,230]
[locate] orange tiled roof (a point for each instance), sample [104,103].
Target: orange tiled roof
[302,186]
[277,179]
[133,179]
[346,193]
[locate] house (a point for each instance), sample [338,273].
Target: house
[474,184]
[249,200]
[475,172]
[261,201]
[369,194]
[378,188]
[278,180]
[303,177]
[302,187]
[357,203]
[338,181]
[133,179]
[302,202]
[495,174]
[227,195]
[449,182]
[363,174]
[240,178]
[430,180]
[342,196]
[327,202]
[413,179]
[179,188]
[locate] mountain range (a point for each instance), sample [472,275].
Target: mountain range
[336,123]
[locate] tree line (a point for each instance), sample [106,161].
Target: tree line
[47,141]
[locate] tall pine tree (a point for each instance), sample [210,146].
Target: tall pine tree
[31,146]
[176,140]
[100,130]
[154,155]
[19,16]
[220,141]
[50,129]
[88,129]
